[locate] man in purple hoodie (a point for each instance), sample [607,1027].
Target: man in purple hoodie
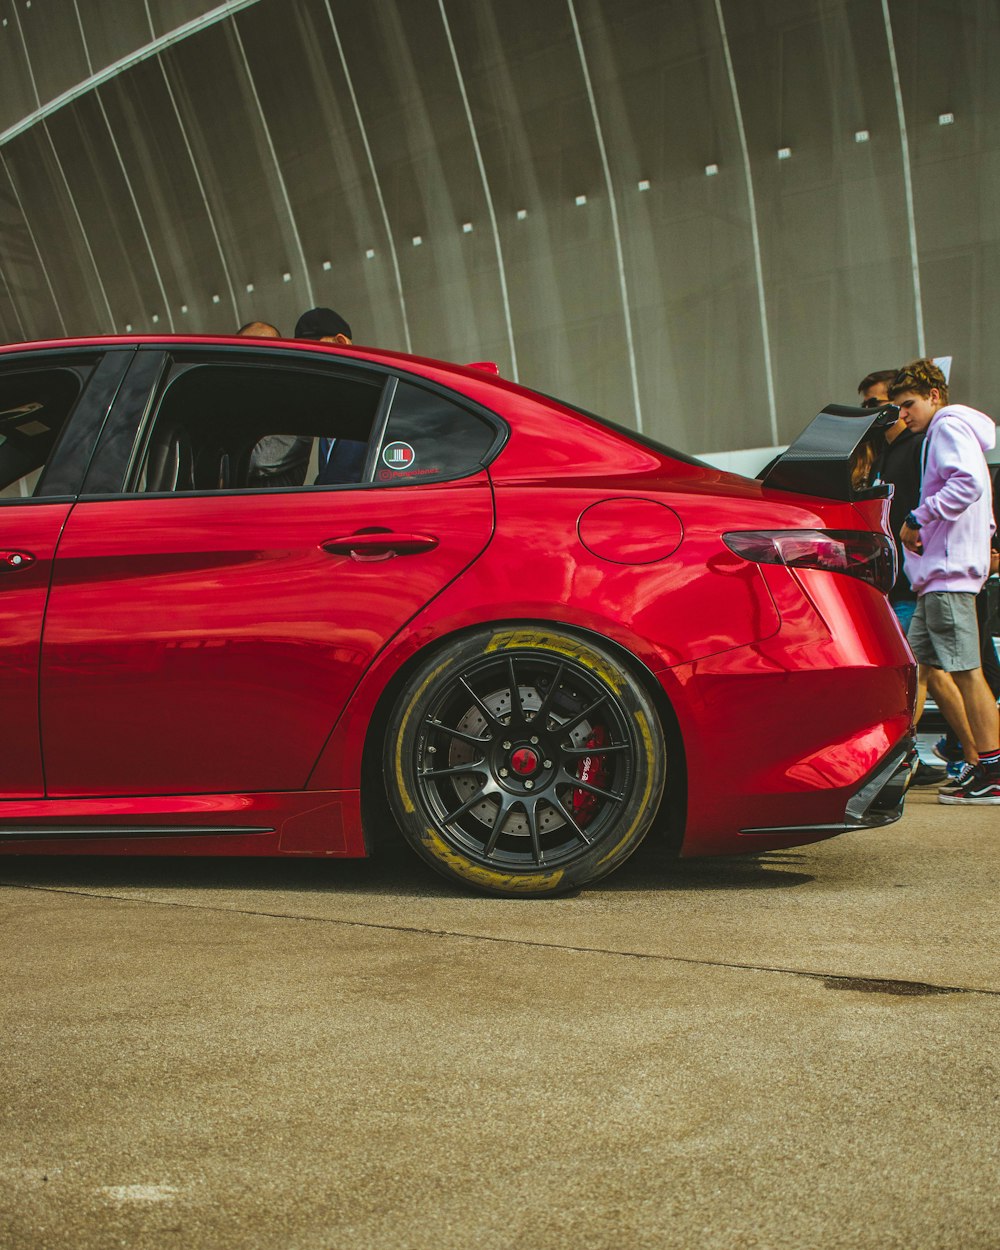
[947,542]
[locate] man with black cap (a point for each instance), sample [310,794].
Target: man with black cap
[323,325]
[340,459]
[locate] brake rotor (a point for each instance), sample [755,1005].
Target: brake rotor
[474,722]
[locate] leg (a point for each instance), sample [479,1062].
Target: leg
[923,652]
[948,697]
[987,649]
[991,665]
[981,709]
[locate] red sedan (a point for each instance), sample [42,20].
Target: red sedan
[264,598]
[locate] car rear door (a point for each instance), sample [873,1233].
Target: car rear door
[204,640]
[52,405]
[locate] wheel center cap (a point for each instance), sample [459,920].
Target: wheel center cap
[524,761]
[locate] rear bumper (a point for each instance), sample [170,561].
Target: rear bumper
[814,752]
[876,802]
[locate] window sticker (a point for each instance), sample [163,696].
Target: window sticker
[398,456]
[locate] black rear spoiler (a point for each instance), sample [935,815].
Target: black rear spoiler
[834,454]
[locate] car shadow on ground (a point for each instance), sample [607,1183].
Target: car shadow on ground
[652,868]
[394,872]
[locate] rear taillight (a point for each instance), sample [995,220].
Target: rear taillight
[870,557]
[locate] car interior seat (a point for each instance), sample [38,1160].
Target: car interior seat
[170,460]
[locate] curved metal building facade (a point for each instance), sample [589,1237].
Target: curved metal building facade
[707,218]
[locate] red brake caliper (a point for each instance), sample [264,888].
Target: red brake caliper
[592,769]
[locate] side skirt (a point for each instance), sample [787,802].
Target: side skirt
[127,831]
[302,822]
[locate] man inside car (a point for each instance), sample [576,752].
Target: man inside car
[277,459]
[340,459]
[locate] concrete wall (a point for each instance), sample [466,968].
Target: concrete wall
[596,186]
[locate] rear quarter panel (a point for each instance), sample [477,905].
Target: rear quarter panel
[699,601]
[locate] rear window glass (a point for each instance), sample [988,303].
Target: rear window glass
[429,437]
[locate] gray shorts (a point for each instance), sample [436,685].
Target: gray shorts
[944,632]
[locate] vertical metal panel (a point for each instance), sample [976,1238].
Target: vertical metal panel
[388,239]
[14,315]
[314,129]
[911,222]
[613,206]
[666,113]
[18,97]
[51,45]
[501,270]
[110,324]
[319,139]
[754,230]
[111,31]
[279,176]
[831,217]
[419,139]
[97,197]
[64,272]
[237,174]
[528,97]
[38,320]
[164,303]
[948,57]
[176,173]
[115,68]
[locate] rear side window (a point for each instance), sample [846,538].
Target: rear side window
[256,427]
[34,408]
[429,437]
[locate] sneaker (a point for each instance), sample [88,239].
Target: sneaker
[981,786]
[941,750]
[958,775]
[928,775]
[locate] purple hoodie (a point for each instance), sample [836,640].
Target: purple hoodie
[956,504]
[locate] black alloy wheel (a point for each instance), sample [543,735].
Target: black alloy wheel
[524,761]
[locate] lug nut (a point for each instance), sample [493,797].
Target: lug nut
[503,772]
[506,746]
[529,785]
[534,742]
[546,763]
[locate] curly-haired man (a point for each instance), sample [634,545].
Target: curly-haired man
[947,542]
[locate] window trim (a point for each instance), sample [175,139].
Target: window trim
[195,355]
[87,415]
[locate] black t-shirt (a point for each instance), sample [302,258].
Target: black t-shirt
[899,463]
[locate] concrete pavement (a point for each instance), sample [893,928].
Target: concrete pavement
[793,1050]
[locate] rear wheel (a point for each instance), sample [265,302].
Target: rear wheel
[524,761]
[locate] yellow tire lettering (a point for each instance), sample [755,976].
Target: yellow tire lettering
[568,647]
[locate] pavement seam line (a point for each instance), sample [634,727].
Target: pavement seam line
[508,941]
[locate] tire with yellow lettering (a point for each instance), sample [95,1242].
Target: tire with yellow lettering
[524,761]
